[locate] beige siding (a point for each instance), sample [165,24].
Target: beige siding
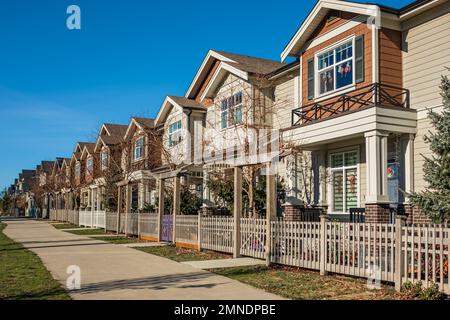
[420,149]
[426,53]
[283,105]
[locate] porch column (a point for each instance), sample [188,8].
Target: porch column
[409,166]
[237,211]
[377,200]
[160,207]
[176,205]
[271,211]
[322,179]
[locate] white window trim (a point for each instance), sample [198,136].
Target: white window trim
[177,130]
[349,87]
[104,167]
[90,172]
[241,105]
[331,182]
[141,156]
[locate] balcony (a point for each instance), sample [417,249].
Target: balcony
[373,95]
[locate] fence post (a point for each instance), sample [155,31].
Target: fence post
[160,207]
[323,244]
[119,205]
[399,222]
[448,255]
[199,231]
[237,211]
[271,196]
[176,207]
[139,226]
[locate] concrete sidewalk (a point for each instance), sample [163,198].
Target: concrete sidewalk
[111,271]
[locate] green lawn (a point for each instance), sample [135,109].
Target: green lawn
[181,255]
[300,284]
[118,240]
[23,276]
[87,232]
[66,226]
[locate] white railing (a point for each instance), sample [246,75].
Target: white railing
[217,233]
[187,229]
[148,225]
[253,237]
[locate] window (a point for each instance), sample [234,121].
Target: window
[345,182]
[104,159]
[231,110]
[139,148]
[335,68]
[175,133]
[77,170]
[89,166]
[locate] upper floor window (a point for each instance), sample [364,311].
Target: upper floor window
[335,68]
[104,159]
[231,110]
[175,133]
[139,148]
[89,166]
[77,170]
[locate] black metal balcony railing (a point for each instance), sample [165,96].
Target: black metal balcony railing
[376,94]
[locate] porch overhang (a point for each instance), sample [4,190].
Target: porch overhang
[351,125]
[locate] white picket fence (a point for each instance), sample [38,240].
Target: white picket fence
[99,219]
[187,229]
[296,244]
[73,217]
[85,218]
[111,221]
[253,237]
[217,233]
[148,225]
[425,255]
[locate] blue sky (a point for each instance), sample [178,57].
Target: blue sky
[58,86]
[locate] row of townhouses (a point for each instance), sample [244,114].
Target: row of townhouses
[337,126]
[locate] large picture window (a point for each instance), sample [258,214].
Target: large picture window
[345,180]
[335,68]
[175,133]
[231,110]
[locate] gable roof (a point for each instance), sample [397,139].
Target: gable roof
[322,7]
[89,148]
[177,102]
[115,130]
[110,135]
[245,65]
[141,123]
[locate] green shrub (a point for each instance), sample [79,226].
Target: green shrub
[415,290]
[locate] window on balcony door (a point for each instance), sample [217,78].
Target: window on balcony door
[139,149]
[89,166]
[335,68]
[175,130]
[231,110]
[104,156]
[77,170]
[344,181]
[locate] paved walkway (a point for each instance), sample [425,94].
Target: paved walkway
[111,271]
[225,263]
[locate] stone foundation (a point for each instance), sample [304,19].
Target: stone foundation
[377,213]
